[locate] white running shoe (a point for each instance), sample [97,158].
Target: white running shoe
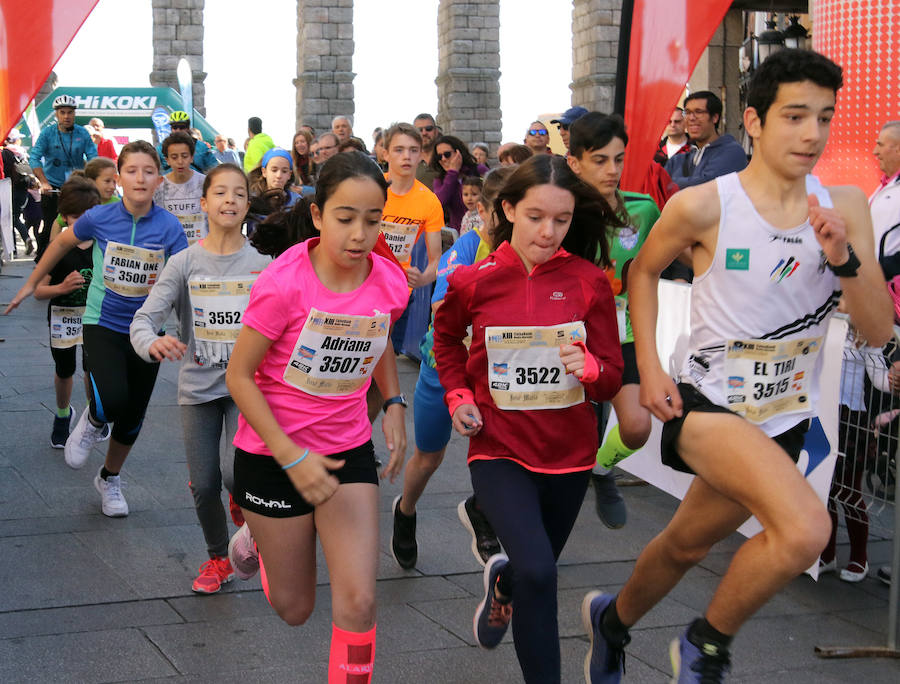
[79,443]
[113,504]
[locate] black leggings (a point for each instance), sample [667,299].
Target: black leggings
[533,515]
[121,381]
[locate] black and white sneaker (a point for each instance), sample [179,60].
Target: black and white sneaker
[403,539]
[61,429]
[484,541]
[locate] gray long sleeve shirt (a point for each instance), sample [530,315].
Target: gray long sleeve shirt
[202,374]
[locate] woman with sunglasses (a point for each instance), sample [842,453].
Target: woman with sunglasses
[452,162]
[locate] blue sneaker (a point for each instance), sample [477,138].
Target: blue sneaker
[697,665]
[492,617]
[605,661]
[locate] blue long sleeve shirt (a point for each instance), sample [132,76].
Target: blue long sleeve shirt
[58,152]
[723,155]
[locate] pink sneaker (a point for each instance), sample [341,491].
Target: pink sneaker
[243,554]
[213,574]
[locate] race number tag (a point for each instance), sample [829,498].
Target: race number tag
[218,306]
[65,326]
[335,353]
[194,226]
[131,271]
[768,378]
[524,370]
[400,239]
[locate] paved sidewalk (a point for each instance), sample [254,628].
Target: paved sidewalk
[92,599]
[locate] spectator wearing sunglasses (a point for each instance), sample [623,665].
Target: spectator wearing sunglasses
[537,138]
[451,163]
[567,118]
[428,129]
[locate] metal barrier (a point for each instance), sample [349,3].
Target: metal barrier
[865,486]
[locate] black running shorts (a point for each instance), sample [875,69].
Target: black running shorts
[694,400]
[261,486]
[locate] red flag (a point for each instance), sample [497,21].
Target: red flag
[33,36]
[666,44]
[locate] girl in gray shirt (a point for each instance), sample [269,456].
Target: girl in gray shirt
[208,286]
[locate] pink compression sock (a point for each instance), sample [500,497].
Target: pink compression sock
[351,657]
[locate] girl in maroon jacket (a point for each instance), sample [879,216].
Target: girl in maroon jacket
[544,342]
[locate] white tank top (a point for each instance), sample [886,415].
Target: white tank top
[764,288]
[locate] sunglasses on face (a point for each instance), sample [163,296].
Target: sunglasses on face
[178,127]
[425,129]
[537,131]
[445,155]
[562,126]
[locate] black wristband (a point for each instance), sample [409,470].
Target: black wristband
[399,399]
[849,268]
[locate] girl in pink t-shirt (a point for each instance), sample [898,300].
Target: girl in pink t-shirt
[316,332]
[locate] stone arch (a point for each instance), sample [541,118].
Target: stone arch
[468,59]
[178,32]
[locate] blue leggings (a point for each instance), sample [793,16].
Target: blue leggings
[533,515]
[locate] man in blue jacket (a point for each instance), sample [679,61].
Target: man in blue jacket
[713,155]
[60,148]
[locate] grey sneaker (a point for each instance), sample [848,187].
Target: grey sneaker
[112,503]
[610,504]
[243,554]
[492,617]
[83,437]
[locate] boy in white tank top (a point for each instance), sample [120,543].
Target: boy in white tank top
[774,257]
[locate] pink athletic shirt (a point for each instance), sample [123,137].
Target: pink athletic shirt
[280,302]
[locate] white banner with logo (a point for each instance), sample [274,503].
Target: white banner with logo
[820,449]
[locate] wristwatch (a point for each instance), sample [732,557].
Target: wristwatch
[849,268]
[399,399]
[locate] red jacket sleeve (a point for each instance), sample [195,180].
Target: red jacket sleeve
[603,340]
[450,323]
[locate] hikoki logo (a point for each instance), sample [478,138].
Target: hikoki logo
[784,269]
[117,102]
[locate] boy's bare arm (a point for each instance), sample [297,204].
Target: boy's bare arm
[689,220]
[866,297]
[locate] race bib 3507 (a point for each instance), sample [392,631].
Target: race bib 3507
[336,353]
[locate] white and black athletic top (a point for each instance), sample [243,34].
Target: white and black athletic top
[764,283]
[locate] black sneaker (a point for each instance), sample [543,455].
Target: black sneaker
[610,504]
[484,541]
[884,574]
[403,539]
[61,429]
